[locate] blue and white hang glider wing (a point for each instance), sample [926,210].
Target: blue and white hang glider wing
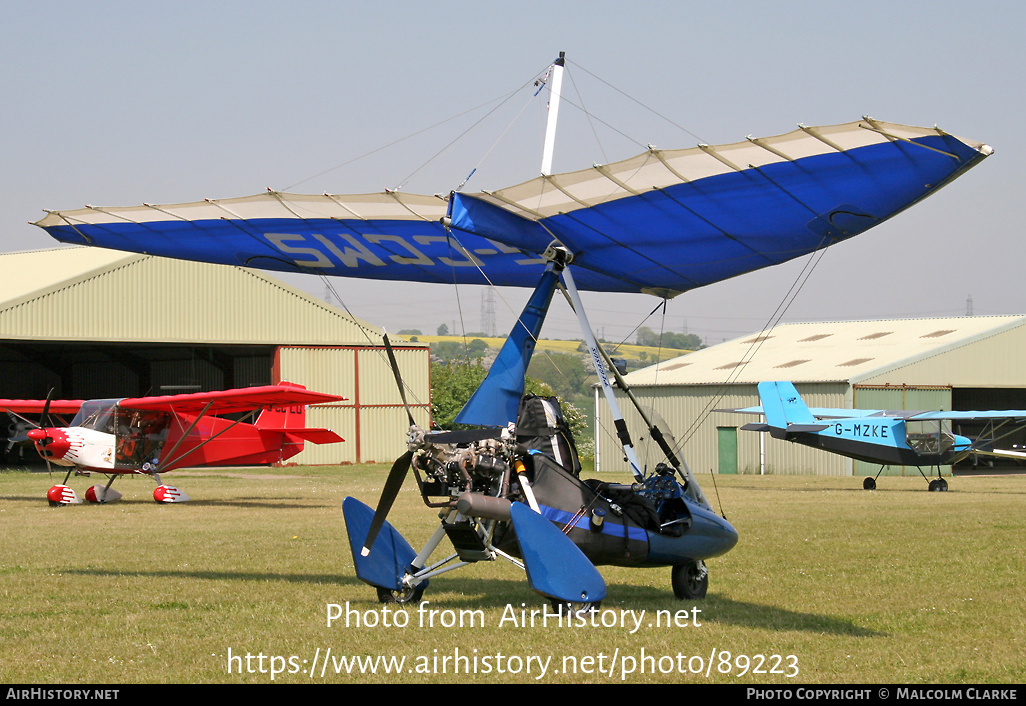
[663,222]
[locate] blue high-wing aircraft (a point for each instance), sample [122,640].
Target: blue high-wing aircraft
[890,438]
[660,223]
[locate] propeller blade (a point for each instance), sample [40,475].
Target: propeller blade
[44,418]
[393,483]
[398,377]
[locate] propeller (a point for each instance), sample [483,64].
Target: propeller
[393,483]
[44,421]
[44,417]
[401,467]
[398,377]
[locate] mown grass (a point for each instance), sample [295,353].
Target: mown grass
[897,585]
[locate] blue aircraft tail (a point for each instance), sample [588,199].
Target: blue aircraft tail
[783,406]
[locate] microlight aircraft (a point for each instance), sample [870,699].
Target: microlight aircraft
[153,435]
[661,223]
[890,438]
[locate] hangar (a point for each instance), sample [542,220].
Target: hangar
[959,363]
[94,323]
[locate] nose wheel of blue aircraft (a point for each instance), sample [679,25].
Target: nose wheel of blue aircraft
[690,580]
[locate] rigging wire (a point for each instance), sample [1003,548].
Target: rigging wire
[501,99]
[459,303]
[466,132]
[802,278]
[588,115]
[788,298]
[623,341]
[393,143]
[635,100]
[376,346]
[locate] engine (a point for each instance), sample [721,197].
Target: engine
[450,469]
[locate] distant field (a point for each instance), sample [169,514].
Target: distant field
[621,351]
[893,586]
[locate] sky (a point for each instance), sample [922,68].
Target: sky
[112,103]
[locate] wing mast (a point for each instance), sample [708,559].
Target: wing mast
[558,253]
[550,125]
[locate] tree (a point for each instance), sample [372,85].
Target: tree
[567,374]
[668,339]
[452,384]
[448,351]
[477,348]
[443,330]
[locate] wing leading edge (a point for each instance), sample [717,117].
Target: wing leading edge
[231,401]
[663,222]
[38,406]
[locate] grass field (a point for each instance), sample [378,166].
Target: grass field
[897,585]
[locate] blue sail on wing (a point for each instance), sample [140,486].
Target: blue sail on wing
[663,222]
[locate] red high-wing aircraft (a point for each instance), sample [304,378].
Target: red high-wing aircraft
[152,435]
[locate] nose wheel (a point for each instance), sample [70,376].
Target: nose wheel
[690,581]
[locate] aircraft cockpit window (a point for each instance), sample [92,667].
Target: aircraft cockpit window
[931,437]
[140,437]
[96,414]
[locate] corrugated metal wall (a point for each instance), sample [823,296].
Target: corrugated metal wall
[143,298]
[372,420]
[993,361]
[688,410]
[925,398]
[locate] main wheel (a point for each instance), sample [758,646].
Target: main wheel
[869,484]
[408,594]
[690,581]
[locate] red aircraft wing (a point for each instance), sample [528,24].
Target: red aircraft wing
[36,406]
[232,401]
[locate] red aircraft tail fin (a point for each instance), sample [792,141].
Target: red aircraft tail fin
[290,420]
[282,418]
